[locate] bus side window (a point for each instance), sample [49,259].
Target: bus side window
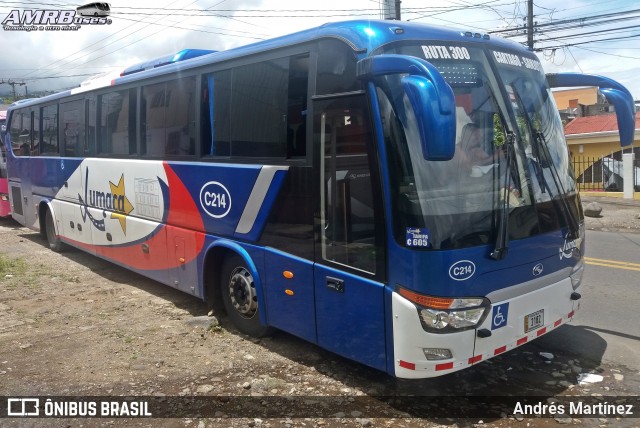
[90,141]
[36,134]
[49,117]
[168,118]
[72,128]
[13,129]
[336,68]
[297,106]
[117,111]
[153,104]
[271,95]
[181,119]
[20,132]
[259,109]
[215,120]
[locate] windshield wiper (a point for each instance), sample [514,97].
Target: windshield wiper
[502,238]
[540,148]
[566,212]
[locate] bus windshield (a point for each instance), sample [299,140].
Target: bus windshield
[510,157]
[539,126]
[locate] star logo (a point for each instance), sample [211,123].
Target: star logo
[121,204]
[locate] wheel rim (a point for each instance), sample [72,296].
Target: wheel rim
[242,292]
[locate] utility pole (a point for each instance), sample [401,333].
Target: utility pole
[530,24]
[392,9]
[13,86]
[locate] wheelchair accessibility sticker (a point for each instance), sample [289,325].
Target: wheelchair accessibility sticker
[499,316]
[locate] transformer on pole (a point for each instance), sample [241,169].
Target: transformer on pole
[392,9]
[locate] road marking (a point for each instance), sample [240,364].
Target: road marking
[612,264]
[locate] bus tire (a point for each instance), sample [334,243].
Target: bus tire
[54,241]
[240,298]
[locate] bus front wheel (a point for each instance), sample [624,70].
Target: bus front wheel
[53,240]
[240,297]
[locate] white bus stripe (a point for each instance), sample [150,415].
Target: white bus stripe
[256,198]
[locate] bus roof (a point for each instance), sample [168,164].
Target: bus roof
[183,55]
[363,36]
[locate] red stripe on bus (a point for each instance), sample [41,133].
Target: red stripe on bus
[183,210]
[541,331]
[500,350]
[407,365]
[571,314]
[475,359]
[444,366]
[522,341]
[557,323]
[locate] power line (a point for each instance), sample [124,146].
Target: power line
[567,21]
[48,77]
[587,42]
[68,59]
[607,53]
[609,30]
[139,40]
[166,24]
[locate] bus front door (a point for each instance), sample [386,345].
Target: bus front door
[348,294]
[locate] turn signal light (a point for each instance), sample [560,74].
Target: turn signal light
[428,301]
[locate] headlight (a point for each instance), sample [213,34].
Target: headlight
[442,315]
[456,319]
[576,274]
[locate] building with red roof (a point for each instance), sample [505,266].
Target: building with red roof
[596,136]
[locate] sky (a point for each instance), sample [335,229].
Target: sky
[154,28]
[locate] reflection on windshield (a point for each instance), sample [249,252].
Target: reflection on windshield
[462,202]
[455,203]
[541,129]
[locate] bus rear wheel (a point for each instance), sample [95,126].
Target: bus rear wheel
[53,240]
[240,298]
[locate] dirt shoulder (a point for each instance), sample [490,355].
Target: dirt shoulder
[72,324]
[617,215]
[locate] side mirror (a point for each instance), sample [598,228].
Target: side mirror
[430,96]
[616,94]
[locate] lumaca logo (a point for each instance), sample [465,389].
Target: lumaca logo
[50,20]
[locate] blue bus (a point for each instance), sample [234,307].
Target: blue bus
[396,193]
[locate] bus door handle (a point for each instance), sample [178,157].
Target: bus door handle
[109,237]
[335,284]
[66,184]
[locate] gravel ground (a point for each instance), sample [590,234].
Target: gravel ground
[72,324]
[618,215]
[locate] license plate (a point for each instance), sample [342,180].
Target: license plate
[534,320]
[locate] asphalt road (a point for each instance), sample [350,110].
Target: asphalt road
[606,327]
